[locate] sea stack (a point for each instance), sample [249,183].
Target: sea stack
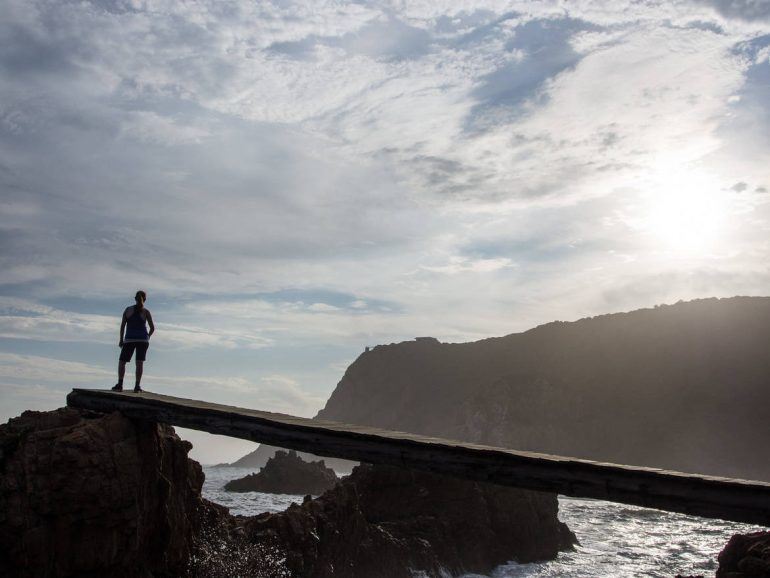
[287,473]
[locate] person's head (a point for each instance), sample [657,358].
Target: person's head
[140,297]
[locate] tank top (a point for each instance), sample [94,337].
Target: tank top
[136,327]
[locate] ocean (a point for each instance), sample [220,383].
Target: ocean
[616,541]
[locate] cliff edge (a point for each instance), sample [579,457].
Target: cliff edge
[91,495]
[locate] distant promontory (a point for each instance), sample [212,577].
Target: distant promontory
[683,386]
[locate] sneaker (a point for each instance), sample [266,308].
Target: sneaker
[117,387]
[138,389]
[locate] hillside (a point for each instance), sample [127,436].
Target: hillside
[683,386]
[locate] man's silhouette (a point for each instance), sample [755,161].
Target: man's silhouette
[134,322]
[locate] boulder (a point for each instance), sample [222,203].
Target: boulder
[385,522]
[745,556]
[287,473]
[87,494]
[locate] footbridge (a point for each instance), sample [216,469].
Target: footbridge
[698,495]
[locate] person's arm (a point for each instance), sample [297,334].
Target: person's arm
[122,329]
[149,322]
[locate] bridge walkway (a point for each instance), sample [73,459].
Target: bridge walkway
[698,495]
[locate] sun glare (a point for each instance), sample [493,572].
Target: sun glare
[686,215]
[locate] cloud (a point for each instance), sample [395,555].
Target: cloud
[150,127]
[743,9]
[669,286]
[50,379]
[385,38]
[44,369]
[24,319]
[322,307]
[292,177]
[540,49]
[458,264]
[18,398]
[275,393]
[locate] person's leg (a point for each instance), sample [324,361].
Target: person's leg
[125,356]
[121,372]
[139,371]
[141,355]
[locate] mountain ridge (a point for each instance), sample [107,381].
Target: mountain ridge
[679,386]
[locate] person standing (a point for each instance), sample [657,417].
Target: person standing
[135,320]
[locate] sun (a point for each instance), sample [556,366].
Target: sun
[686,214]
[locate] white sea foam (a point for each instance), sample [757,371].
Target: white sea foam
[616,540]
[627,541]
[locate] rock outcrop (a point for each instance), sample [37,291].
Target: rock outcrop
[91,495]
[258,459]
[643,388]
[87,495]
[287,473]
[385,522]
[746,556]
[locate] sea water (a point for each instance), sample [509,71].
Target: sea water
[615,540]
[242,503]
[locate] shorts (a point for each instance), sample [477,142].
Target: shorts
[128,351]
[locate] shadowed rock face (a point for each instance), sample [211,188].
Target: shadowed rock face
[287,473]
[92,495]
[746,556]
[385,522]
[682,387]
[84,493]
[87,494]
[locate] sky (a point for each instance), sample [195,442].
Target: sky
[291,182]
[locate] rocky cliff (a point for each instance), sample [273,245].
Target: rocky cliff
[287,473]
[87,495]
[681,386]
[92,495]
